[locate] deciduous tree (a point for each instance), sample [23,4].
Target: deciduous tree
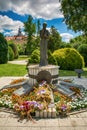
[30,29]
[54,39]
[75,14]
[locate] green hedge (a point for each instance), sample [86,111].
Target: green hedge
[10,54]
[3,49]
[68,59]
[51,58]
[15,50]
[35,56]
[83,51]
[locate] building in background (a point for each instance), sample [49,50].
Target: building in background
[19,36]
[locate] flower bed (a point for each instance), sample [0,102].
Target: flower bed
[39,99]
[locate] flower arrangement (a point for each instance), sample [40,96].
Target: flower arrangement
[25,108]
[40,98]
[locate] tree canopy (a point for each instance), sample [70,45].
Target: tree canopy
[75,14]
[55,39]
[30,29]
[79,40]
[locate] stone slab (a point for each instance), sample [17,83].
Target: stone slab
[71,84]
[14,85]
[26,88]
[64,90]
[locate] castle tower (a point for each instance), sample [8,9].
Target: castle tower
[19,32]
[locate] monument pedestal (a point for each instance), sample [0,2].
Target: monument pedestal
[35,69]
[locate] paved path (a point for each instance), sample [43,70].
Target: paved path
[9,121]
[20,62]
[73,122]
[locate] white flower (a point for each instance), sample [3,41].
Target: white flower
[83,106]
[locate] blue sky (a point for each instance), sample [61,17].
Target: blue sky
[14,12]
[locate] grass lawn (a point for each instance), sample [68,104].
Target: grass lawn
[20,70]
[12,70]
[71,73]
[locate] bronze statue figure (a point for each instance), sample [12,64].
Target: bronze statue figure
[44,34]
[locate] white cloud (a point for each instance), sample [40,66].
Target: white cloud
[66,36]
[7,23]
[47,9]
[1,30]
[11,33]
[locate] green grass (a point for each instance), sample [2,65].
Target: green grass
[72,73]
[12,70]
[20,70]
[22,57]
[66,73]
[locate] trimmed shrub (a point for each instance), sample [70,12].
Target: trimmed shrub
[83,51]
[69,59]
[35,57]
[10,54]
[51,59]
[3,49]
[15,50]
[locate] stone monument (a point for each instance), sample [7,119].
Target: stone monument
[44,34]
[43,71]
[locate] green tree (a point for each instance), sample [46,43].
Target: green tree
[38,27]
[21,48]
[54,39]
[30,29]
[3,49]
[77,41]
[75,14]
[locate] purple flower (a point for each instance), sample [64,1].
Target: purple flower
[38,105]
[41,92]
[63,108]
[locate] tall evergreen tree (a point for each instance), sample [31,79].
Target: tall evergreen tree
[30,29]
[3,49]
[38,27]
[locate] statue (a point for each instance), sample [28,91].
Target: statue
[44,34]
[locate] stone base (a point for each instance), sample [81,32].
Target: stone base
[50,113]
[35,69]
